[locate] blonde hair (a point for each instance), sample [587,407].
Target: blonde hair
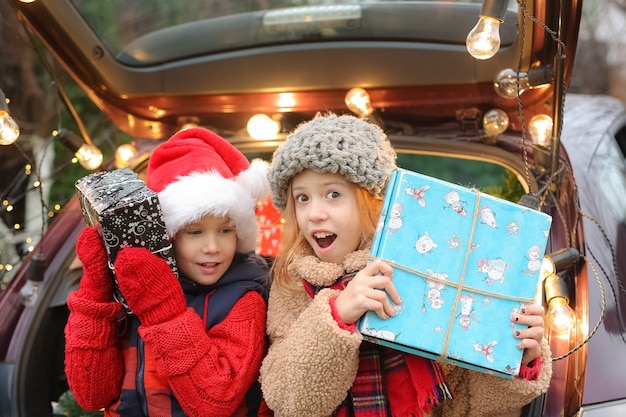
[293,242]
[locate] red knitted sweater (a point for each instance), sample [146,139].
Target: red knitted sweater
[208,372]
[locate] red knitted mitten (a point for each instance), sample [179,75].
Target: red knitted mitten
[97,281]
[150,287]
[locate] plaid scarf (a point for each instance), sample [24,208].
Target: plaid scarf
[415,383]
[393,383]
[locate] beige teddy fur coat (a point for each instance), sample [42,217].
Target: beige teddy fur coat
[312,362]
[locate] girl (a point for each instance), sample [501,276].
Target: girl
[192,347]
[328,178]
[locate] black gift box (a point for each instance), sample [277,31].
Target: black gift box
[128,212]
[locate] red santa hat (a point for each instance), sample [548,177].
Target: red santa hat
[196,172]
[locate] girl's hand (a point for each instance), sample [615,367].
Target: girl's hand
[532,315]
[370,289]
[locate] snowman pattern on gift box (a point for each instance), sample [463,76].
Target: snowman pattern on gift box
[433,290]
[467,311]
[534,260]
[454,202]
[425,243]
[494,268]
[395,219]
[367,329]
[487,216]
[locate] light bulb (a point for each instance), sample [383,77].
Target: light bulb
[483,41]
[124,154]
[495,121]
[560,318]
[261,126]
[89,157]
[9,130]
[509,83]
[29,293]
[506,83]
[540,129]
[358,102]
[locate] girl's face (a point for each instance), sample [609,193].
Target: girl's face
[205,249]
[327,214]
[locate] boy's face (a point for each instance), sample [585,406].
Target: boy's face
[327,214]
[204,250]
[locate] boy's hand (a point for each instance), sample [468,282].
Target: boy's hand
[532,338]
[370,289]
[149,286]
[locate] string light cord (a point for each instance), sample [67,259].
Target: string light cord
[72,110]
[61,91]
[608,242]
[554,35]
[545,191]
[39,193]
[615,270]
[549,194]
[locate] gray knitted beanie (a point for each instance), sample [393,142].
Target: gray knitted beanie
[344,145]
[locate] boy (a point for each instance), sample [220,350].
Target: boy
[194,343]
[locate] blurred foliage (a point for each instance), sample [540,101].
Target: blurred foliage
[489,178]
[70,408]
[101,131]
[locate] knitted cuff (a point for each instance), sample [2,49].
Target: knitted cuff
[333,309]
[175,344]
[531,371]
[91,325]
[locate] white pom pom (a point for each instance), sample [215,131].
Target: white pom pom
[254,179]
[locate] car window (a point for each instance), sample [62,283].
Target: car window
[148,18]
[488,177]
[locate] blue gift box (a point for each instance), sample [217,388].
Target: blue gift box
[464,263]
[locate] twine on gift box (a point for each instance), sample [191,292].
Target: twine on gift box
[459,286]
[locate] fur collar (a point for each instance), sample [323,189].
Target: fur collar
[310,268]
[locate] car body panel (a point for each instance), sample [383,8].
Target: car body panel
[429,96]
[605,234]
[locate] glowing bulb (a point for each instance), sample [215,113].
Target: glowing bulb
[560,317]
[495,121]
[124,154]
[9,130]
[483,41]
[286,101]
[89,157]
[261,126]
[540,129]
[358,101]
